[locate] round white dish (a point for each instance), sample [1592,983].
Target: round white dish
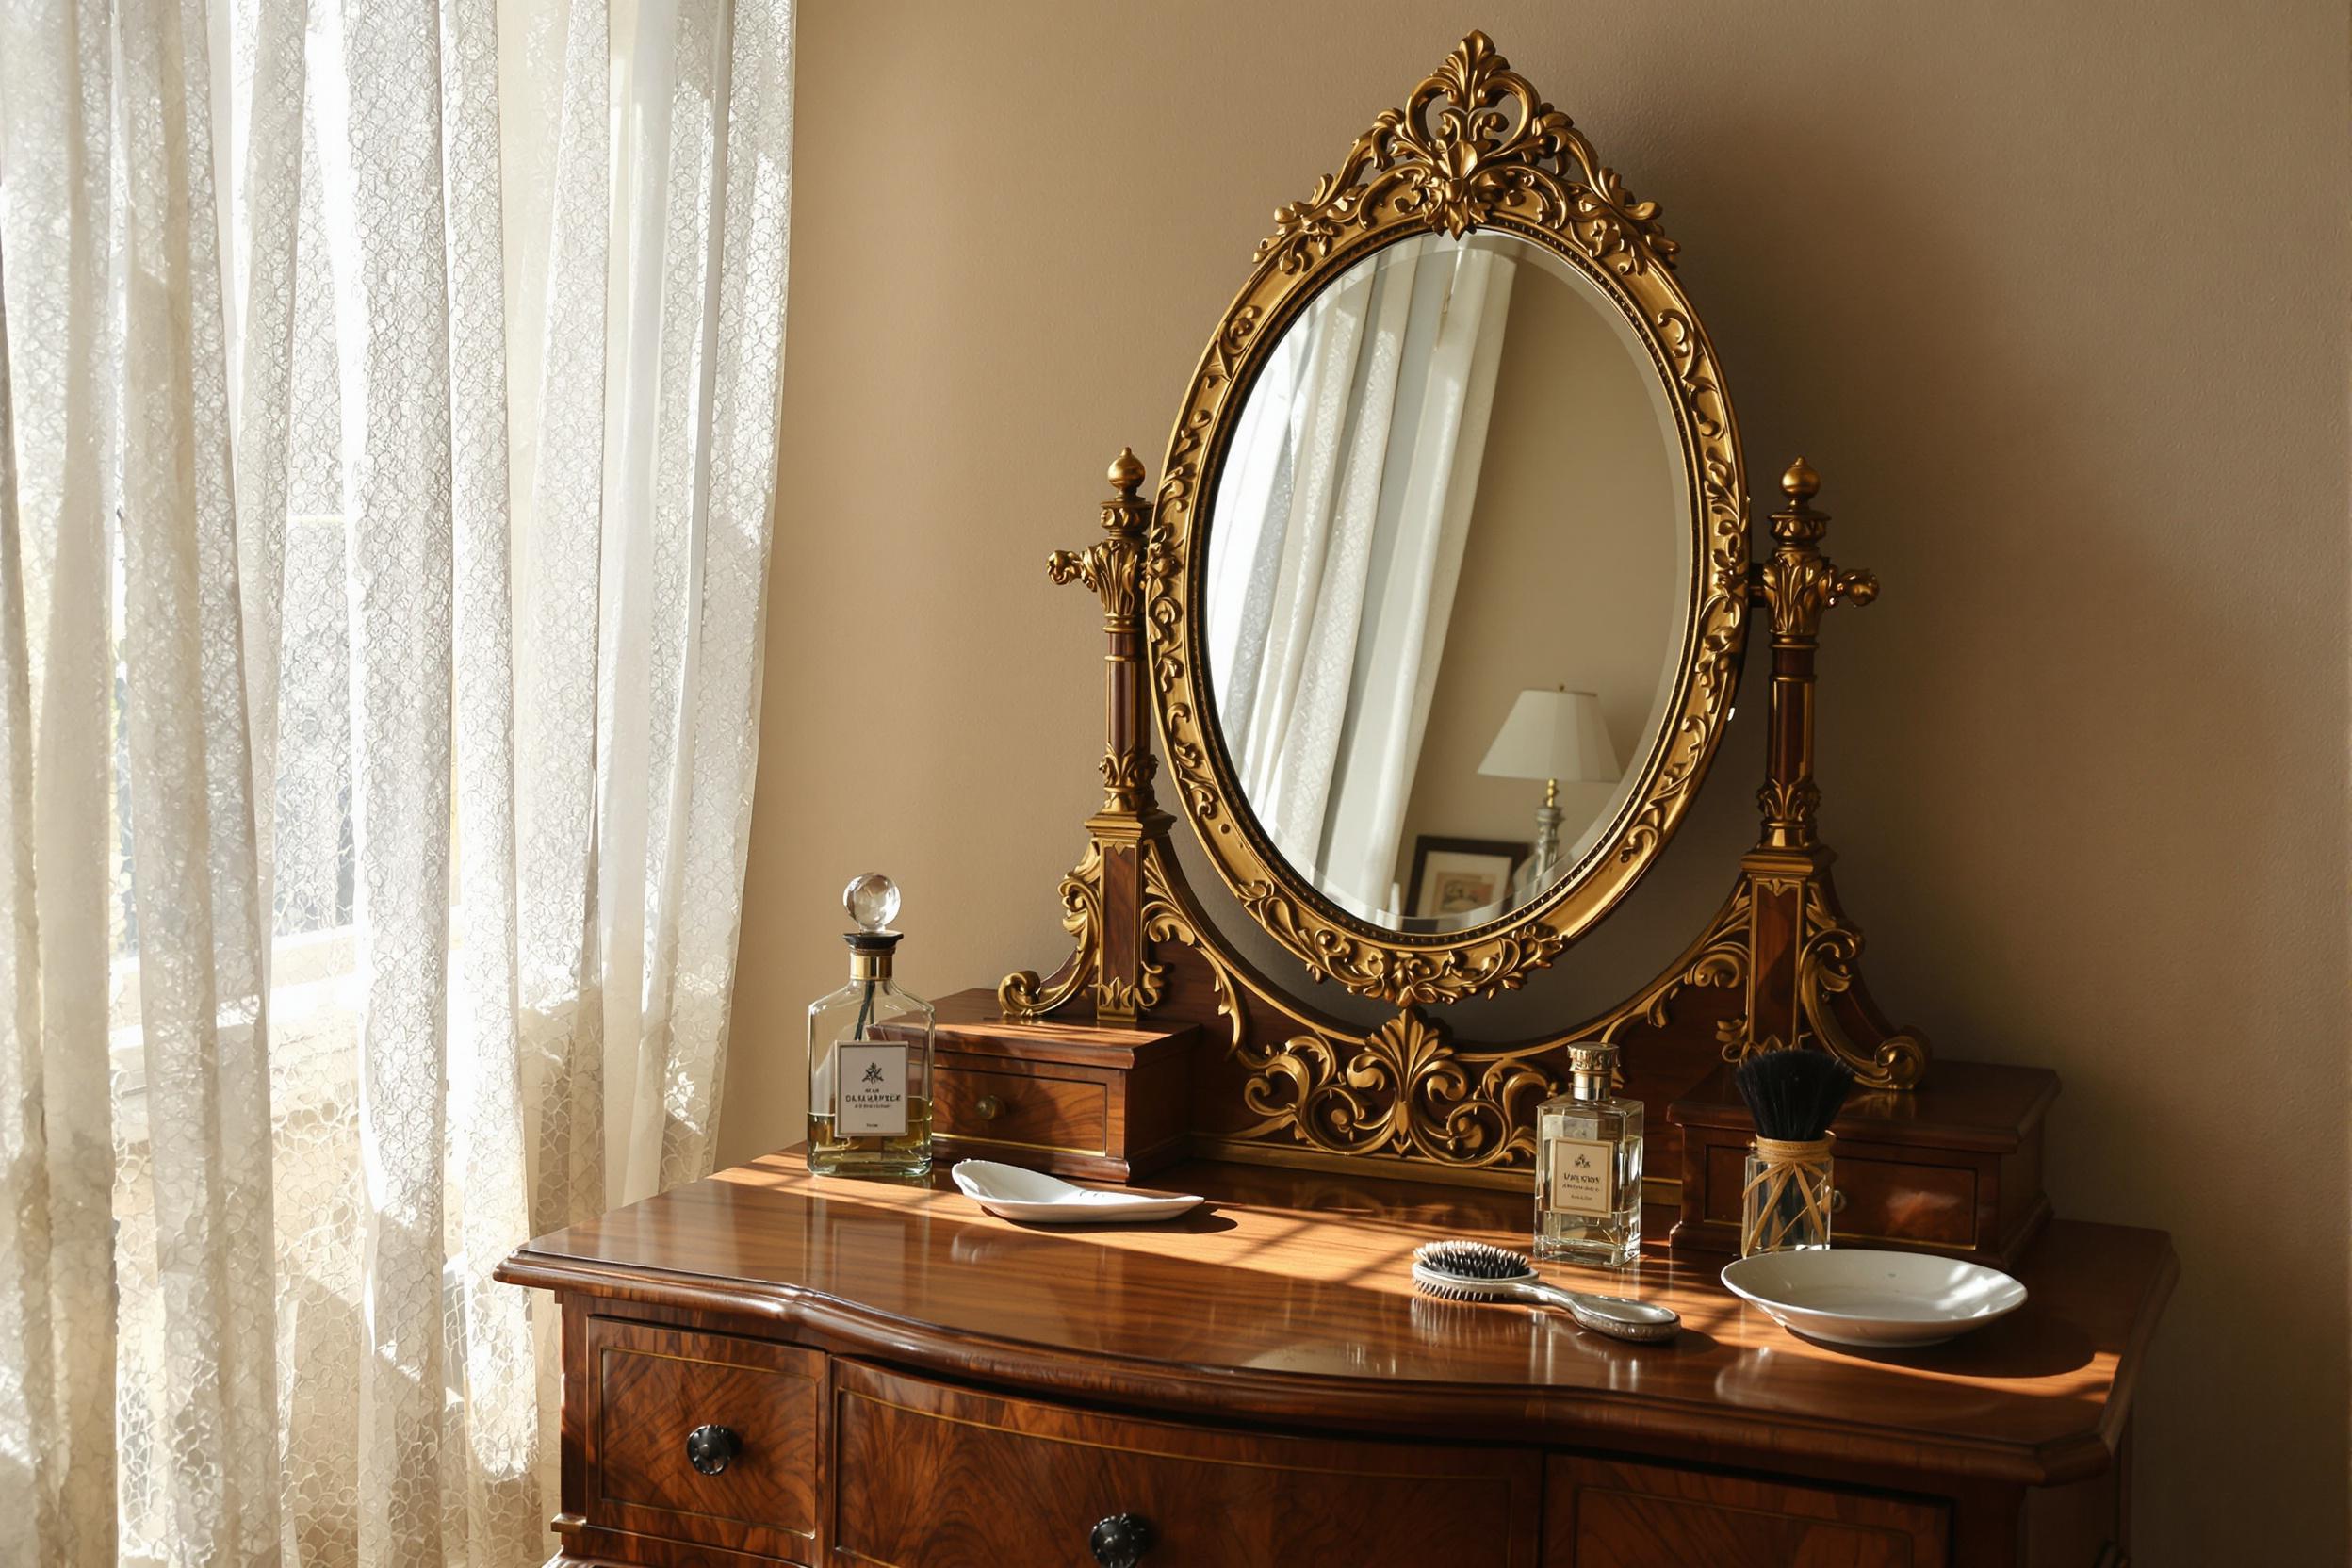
[1010,1192]
[1851,1296]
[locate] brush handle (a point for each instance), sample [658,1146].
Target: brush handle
[1615,1315]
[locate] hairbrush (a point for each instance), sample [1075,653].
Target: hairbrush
[1475,1271]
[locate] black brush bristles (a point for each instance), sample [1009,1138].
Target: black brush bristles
[1793,1095]
[1473,1260]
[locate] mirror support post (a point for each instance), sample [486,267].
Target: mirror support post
[1804,981]
[1102,898]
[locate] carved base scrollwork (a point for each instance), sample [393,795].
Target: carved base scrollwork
[1024,994]
[1403,1090]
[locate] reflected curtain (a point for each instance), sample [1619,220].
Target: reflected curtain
[1341,524]
[387,418]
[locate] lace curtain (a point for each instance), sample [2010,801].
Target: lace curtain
[1344,509]
[387,418]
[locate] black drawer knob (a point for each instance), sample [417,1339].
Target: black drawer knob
[712,1449]
[1120,1540]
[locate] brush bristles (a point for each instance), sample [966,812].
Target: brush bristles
[1793,1094]
[1454,1290]
[1473,1260]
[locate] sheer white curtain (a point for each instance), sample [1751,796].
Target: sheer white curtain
[1341,523]
[387,417]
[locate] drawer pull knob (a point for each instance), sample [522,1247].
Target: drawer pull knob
[989,1107]
[712,1449]
[1120,1540]
[1837,1200]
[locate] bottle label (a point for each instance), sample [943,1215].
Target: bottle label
[873,1090]
[1584,1177]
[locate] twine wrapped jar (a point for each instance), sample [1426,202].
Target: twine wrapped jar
[1785,1206]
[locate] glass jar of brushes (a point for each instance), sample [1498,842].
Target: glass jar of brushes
[1793,1094]
[1785,1202]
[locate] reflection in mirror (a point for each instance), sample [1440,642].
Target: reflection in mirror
[1448,580]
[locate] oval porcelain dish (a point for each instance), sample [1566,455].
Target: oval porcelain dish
[1011,1192]
[1849,1295]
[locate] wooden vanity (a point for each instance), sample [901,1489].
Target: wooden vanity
[909,1382]
[1471,316]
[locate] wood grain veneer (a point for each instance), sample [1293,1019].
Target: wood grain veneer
[938,1477]
[647,1386]
[1099,1101]
[1606,1514]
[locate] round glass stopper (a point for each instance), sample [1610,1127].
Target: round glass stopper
[871,901]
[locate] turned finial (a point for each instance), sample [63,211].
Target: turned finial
[1126,471]
[1801,483]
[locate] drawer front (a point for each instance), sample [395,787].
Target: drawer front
[1600,1514]
[1033,1111]
[1926,1205]
[935,1477]
[650,1388]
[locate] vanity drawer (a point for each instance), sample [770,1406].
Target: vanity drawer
[1038,1111]
[1102,1102]
[1954,1166]
[760,1408]
[931,1475]
[1926,1205]
[1600,1513]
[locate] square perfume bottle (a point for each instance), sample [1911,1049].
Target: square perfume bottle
[1587,1167]
[869,1055]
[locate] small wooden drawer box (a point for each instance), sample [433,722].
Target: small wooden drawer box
[1100,1102]
[1954,1166]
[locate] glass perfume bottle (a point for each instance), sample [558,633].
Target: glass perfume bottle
[1588,1167]
[870,1054]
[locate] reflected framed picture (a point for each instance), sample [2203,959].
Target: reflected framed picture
[1460,877]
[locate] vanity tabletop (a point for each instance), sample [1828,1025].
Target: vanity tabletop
[1288,1298]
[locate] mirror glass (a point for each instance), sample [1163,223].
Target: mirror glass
[1449,580]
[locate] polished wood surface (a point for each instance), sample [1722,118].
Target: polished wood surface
[1600,1513]
[934,1475]
[1287,1301]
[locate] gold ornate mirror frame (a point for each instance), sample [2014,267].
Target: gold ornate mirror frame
[1474,148]
[1778,966]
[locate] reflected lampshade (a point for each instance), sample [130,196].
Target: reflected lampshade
[1554,735]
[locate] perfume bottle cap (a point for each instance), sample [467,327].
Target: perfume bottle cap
[1594,1057]
[871,900]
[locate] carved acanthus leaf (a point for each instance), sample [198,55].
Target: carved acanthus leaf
[1473,143]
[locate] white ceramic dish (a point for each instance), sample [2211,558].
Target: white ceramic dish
[1012,1193]
[1850,1296]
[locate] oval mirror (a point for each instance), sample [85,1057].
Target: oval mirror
[1449,580]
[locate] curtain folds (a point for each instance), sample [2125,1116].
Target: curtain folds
[387,418]
[1343,515]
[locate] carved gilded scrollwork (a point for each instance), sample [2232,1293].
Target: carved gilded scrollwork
[1474,142]
[1827,970]
[1402,1091]
[1024,994]
[1474,148]
[1170,917]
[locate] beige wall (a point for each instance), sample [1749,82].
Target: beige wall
[2055,297]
